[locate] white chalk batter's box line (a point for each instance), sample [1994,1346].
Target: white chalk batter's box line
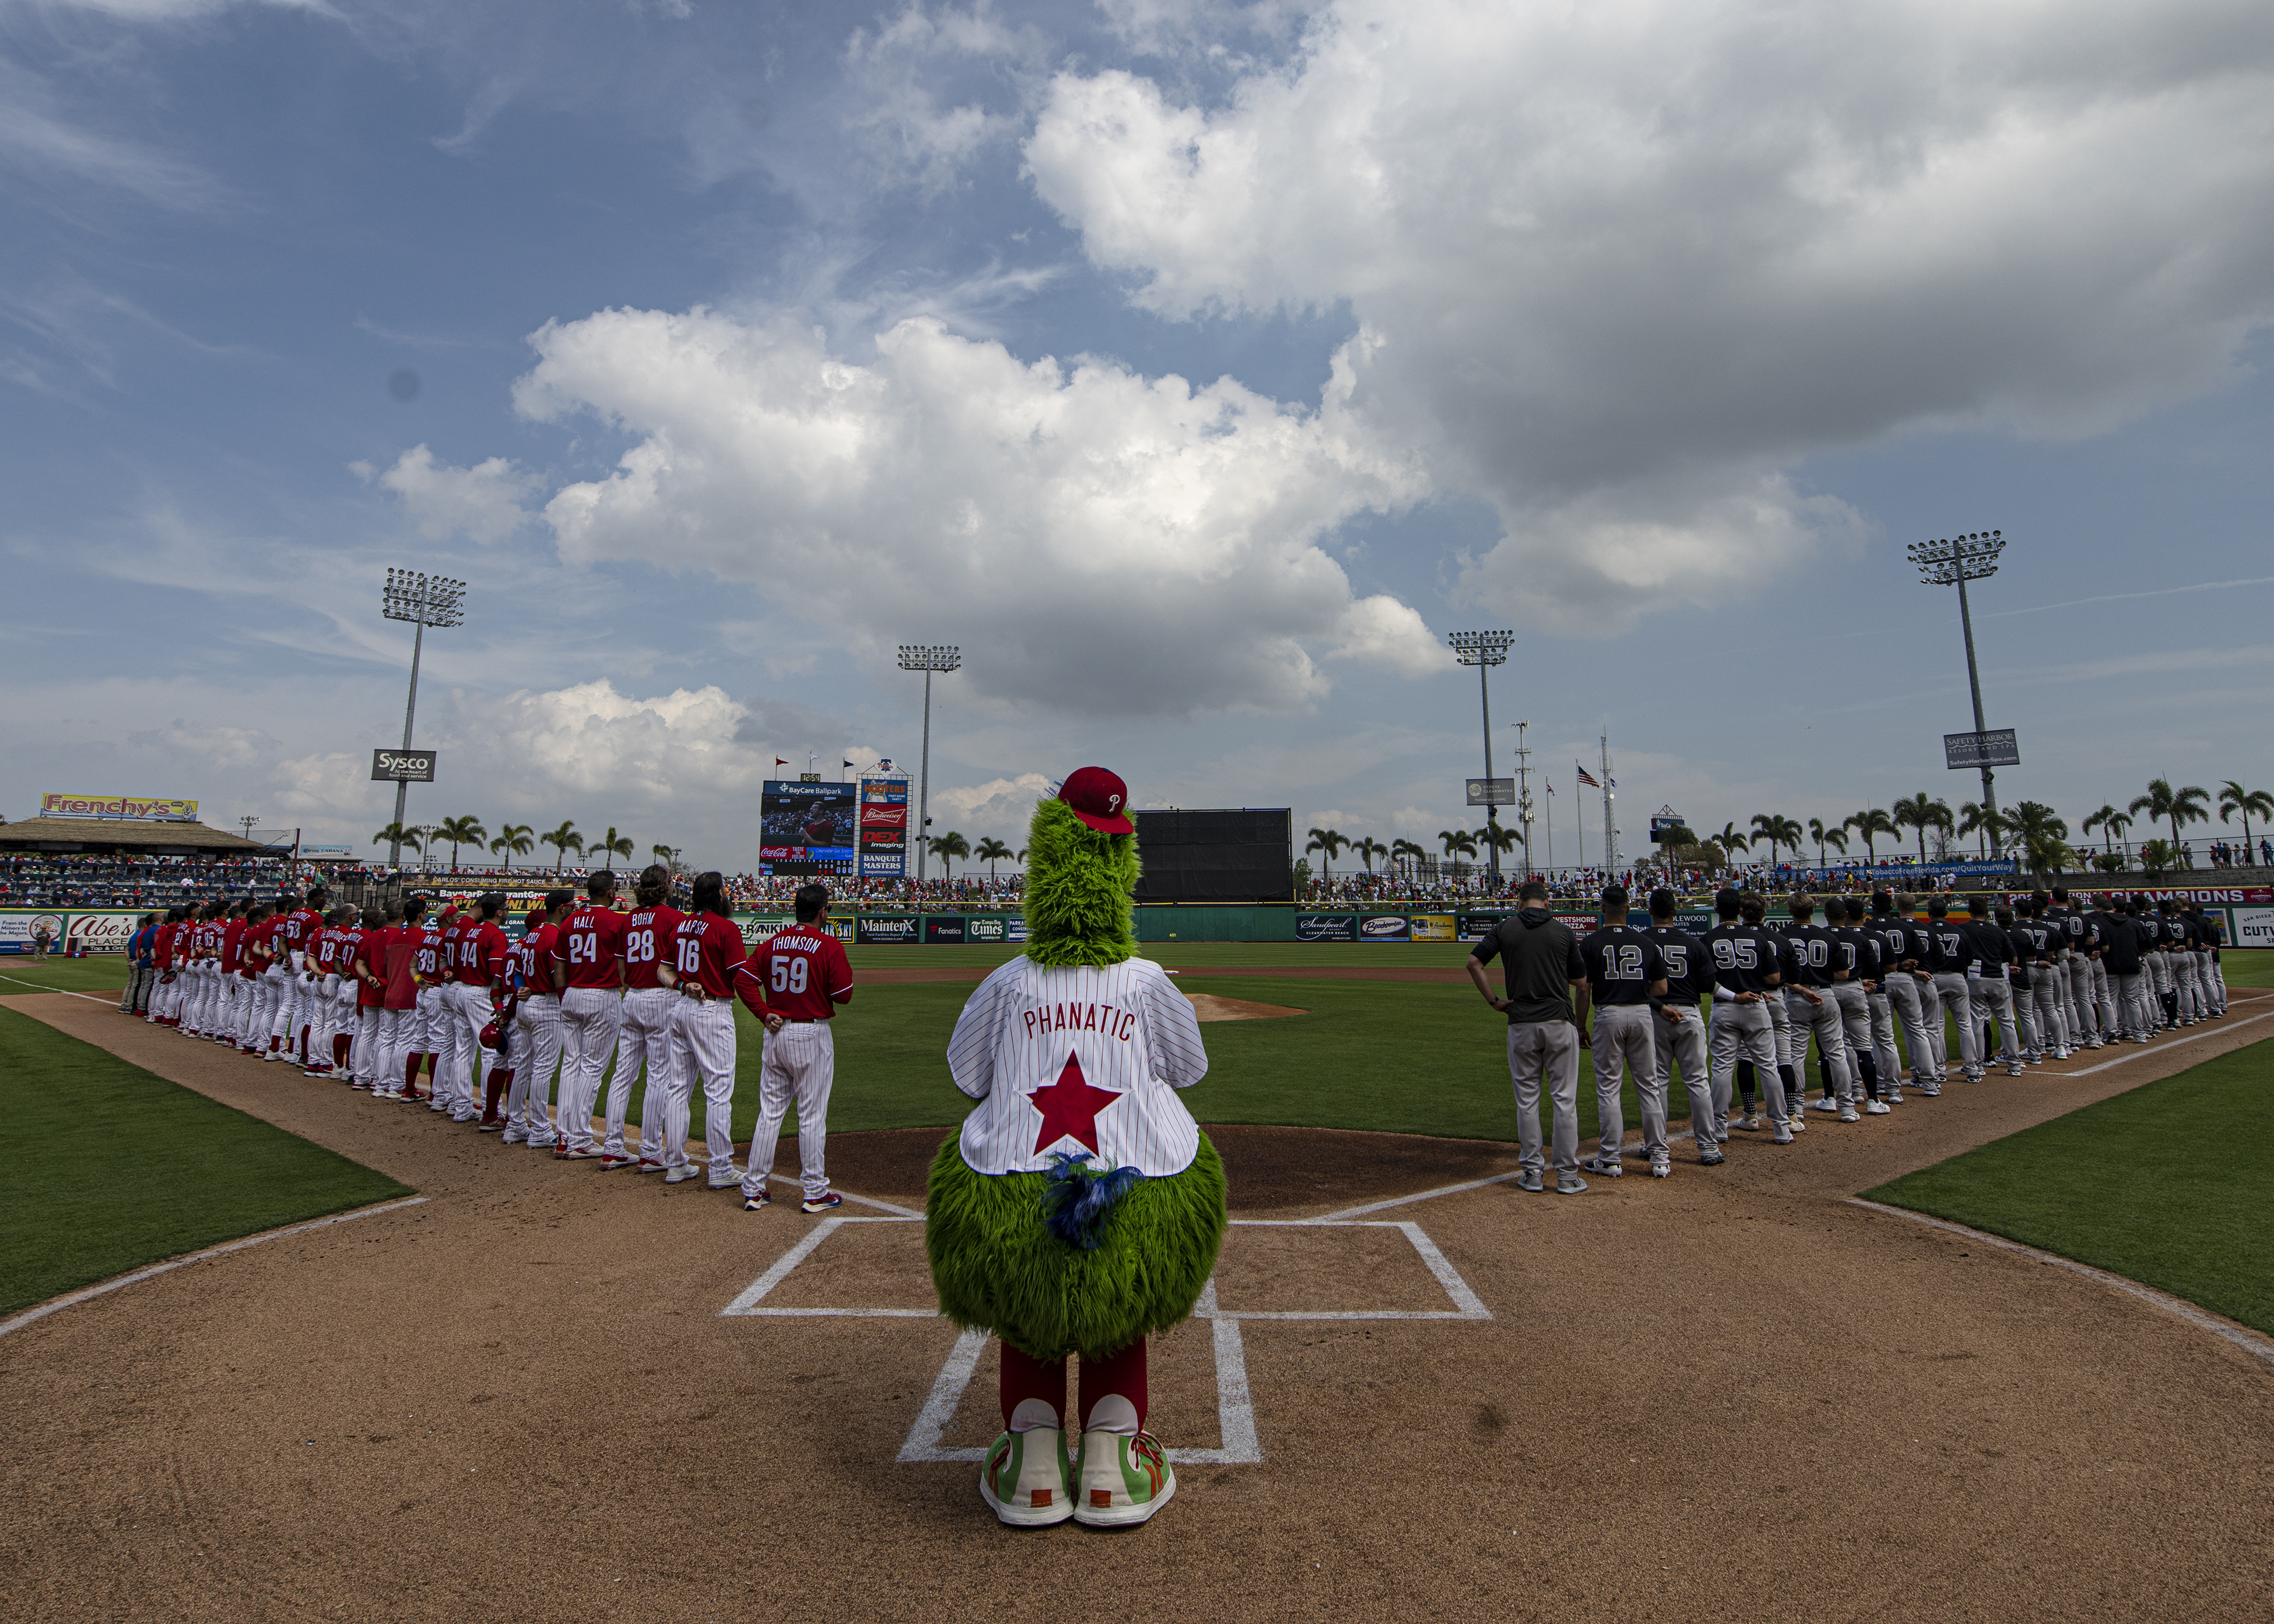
[1235,1402]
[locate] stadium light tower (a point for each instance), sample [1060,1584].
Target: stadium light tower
[424,600]
[926,658]
[1484,651]
[1962,559]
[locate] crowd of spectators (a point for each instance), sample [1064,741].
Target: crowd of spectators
[101,880]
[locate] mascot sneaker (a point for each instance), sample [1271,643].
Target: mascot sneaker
[1120,1481]
[1024,1481]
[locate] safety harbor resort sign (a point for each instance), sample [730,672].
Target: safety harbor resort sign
[164,808]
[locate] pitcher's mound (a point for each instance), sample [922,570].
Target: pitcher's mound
[1207,1006]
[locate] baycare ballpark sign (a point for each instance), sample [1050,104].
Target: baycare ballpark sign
[165,809]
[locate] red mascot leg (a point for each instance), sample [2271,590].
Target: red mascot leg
[1123,1374]
[1025,1377]
[500,1079]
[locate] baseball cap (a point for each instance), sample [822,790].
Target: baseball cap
[1099,799]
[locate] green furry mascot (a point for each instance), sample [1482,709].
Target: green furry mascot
[1080,1206]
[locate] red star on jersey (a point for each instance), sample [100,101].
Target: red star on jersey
[1070,1107]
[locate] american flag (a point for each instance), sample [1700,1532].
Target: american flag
[1587,777]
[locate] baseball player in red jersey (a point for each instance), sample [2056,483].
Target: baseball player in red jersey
[589,970]
[232,947]
[651,935]
[479,965]
[442,1025]
[307,984]
[370,970]
[250,960]
[705,956]
[427,1030]
[323,952]
[536,1036]
[399,998]
[793,984]
[346,1008]
[162,960]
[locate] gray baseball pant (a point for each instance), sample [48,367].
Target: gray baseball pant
[1955,992]
[1624,1044]
[1821,1020]
[2214,983]
[1993,1001]
[2049,1009]
[2104,999]
[2083,1008]
[1907,995]
[1855,1032]
[1883,1043]
[1744,1031]
[1548,1049]
[2135,1002]
[1682,1041]
[2191,999]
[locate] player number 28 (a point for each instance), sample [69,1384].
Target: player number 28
[639,947]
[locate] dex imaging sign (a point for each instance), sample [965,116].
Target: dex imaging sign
[403,766]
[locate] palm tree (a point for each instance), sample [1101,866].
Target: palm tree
[2233,798]
[1329,843]
[512,840]
[1834,835]
[1368,848]
[947,848]
[399,834]
[1777,832]
[461,832]
[2156,856]
[2042,836]
[992,852]
[614,844]
[2111,825]
[1409,850]
[1457,843]
[2190,804]
[1921,812]
[1870,824]
[1981,822]
[563,840]
[1733,838]
[1497,837]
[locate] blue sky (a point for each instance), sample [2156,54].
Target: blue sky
[1195,368]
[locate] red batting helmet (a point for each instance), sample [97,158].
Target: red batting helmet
[489,1035]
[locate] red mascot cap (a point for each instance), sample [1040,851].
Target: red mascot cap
[1099,799]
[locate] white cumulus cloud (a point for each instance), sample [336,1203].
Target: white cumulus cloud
[1098,542]
[1632,264]
[483,502]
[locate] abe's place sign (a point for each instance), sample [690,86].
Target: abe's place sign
[403,766]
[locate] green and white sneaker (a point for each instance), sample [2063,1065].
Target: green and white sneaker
[1121,1481]
[1024,1479]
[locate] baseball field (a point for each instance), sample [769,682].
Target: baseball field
[463,1379]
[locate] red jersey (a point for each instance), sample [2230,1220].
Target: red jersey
[232,936]
[401,972]
[532,960]
[588,945]
[429,960]
[292,933]
[349,950]
[708,951]
[371,957]
[799,973]
[324,950]
[647,940]
[482,954]
[267,939]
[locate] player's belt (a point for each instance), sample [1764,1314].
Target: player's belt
[801,1020]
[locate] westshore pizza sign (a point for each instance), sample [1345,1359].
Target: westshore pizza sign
[164,809]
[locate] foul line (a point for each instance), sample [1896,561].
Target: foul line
[37,987]
[2153,1048]
[83,1295]
[2249,1342]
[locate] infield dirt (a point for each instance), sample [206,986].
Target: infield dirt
[1728,1395]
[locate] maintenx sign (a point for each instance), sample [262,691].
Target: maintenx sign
[879,929]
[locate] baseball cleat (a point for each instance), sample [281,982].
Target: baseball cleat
[1120,1481]
[1894,1096]
[1782,1136]
[1569,1184]
[1661,1166]
[1603,1167]
[1828,1107]
[1025,1481]
[648,1164]
[1712,1158]
[683,1175]
[1848,1113]
[610,1163]
[1878,1108]
[1931,1090]
[493,1125]
[828,1200]
[1531,1179]
[758,1202]
[732,1181]
[574,1153]
[1750,1122]
[2013,1068]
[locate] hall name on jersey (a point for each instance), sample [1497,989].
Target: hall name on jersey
[1045,1019]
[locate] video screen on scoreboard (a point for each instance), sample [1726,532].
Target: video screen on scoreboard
[806,828]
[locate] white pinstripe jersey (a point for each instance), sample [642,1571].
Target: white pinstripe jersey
[1078,1058]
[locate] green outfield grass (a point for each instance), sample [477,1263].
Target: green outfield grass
[2126,1186]
[89,974]
[121,1169]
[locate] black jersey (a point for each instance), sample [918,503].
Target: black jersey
[1816,960]
[1953,952]
[1854,955]
[1745,956]
[1689,976]
[1993,949]
[1894,941]
[2122,938]
[2024,952]
[1621,963]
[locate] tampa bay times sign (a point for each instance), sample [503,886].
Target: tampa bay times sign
[403,766]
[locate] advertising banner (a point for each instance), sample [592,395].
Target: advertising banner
[19,926]
[2254,928]
[757,927]
[1434,928]
[403,766]
[942,927]
[879,929]
[1326,926]
[1384,927]
[165,809]
[1994,748]
[102,933]
[1475,927]
[994,927]
[881,838]
[805,827]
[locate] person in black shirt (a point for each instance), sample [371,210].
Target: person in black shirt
[1808,1003]
[1777,939]
[1953,958]
[1882,1067]
[1540,967]
[2126,973]
[1992,987]
[1626,977]
[2180,948]
[2206,937]
[2038,944]
[1679,1032]
[1745,980]
[1899,991]
[1856,959]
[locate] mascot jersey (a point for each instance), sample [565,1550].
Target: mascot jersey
[1078,1058]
